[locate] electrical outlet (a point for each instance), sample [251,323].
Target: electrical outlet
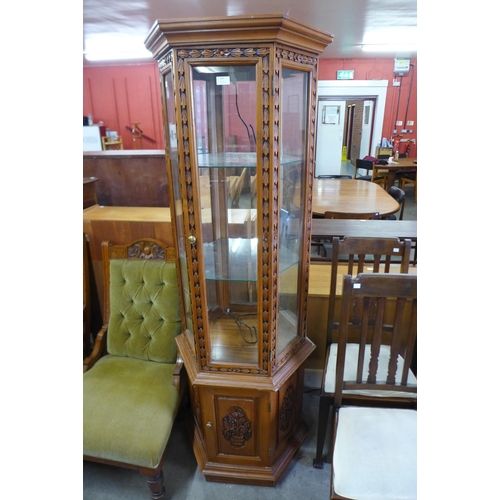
[399,123]
[394,131]
[410,131]
[404,131]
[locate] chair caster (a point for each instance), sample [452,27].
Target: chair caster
[317,464]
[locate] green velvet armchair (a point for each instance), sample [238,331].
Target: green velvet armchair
[132,384]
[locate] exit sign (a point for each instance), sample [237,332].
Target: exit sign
[345,74]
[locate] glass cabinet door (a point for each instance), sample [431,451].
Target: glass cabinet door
[293,106]
[177,202]
[224,102]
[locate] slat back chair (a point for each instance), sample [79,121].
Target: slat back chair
[353,256]
[379,255]
[132,384]
[409,178]
[374,447]
[372,175]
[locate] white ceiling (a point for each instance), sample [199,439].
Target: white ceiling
[123,25]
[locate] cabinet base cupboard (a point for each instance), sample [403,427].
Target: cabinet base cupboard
[239,105]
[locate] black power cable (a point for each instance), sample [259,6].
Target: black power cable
[233,80]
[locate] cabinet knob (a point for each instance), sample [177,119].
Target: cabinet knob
[208,425]
[192,239]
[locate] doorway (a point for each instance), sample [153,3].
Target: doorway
[330,136]
[362,104]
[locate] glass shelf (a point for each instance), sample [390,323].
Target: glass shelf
[235,259]
[231,160]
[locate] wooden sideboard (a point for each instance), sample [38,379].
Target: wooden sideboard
[128,178]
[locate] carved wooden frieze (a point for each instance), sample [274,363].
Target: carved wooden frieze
[290,55]
[143,250]
[146,250]
[236,428]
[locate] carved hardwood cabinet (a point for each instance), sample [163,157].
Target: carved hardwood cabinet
[239,102]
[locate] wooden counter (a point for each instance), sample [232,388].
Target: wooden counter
[129,178]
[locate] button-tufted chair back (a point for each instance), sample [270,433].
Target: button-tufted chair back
[143,309]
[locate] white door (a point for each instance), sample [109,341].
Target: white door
[330,133]
[366,129]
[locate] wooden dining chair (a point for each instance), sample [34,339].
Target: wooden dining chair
[354,256]
[375,447]
[400,196]
[236,183]
[409,178]
[373,175]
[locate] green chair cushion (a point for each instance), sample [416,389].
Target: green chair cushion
[128,411]
[145,313]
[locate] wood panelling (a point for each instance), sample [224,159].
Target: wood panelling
[122,95]
[128,178]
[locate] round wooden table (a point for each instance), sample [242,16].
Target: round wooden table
[350,196]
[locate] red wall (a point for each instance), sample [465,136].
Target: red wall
[383,69]
[122,95]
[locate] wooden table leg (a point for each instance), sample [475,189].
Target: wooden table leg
[391,179]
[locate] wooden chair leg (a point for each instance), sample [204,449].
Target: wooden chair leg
[324,412]
[155,485]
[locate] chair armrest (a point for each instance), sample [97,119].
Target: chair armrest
[176,376]
[98,351]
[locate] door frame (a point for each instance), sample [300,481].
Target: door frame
[369,89]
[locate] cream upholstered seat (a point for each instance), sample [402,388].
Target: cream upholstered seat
[132,394]
[375,447]
[367,438]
